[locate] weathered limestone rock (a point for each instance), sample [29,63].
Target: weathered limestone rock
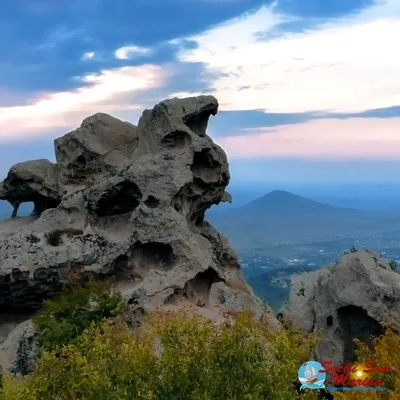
[97,149]
[31,181]
[141,219]
[351,299]
[19,351]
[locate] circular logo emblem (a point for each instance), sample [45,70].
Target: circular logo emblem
[310,376]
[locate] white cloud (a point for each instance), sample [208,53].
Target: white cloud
[321,139]
[124,53]
[346,65]
[88,55]
[104,92]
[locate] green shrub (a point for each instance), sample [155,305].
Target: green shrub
[393,265]
[196,360]
[64,318]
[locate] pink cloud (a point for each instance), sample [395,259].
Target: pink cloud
[104,92]
[353,138]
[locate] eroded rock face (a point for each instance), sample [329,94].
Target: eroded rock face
[142,222]
[351,299]
[19,351]
[31,181]
[100,147]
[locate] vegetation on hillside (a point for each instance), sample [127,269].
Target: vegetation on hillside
[393,265]
[174,356]
[64,318]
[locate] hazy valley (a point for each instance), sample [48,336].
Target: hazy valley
[281,234]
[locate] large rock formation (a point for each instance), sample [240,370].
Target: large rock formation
[130,204]
[355,298]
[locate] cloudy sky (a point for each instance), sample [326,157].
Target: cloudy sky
[309,90]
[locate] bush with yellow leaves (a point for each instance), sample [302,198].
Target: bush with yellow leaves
[89,355]
[173,357]
[384,351]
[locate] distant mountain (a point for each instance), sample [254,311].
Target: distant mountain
[281,201]
[284,217]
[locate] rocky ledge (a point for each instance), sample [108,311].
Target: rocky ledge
[358,297]
[129,202]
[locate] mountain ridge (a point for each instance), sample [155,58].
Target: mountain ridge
[285,199]
[281,216]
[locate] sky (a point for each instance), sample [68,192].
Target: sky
[309,90]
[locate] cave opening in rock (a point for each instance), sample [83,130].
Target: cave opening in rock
[152,255]
[81,161]
[329,320]
[152,202]
[198,122]
[205,168]
[196,290]
[355,323]
[120,199]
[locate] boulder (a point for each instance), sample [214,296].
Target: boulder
[99,148]
[141,219]
[19,351]
[31,181]
[355,298]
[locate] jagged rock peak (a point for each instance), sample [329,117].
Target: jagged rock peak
[131,205]
[351,299]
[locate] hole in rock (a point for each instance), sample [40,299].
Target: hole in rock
[152,202]
[177,139]
[123,269]
[42,203]
[205,167]
[143,257]
[329,320]
[197,289]
[198,122]
[153,253]
[24,209]
[80,162]
[24,291]
[355,323]
[192,200]
[199,220]
[119,199]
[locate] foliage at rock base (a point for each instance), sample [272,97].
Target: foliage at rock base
[173,356]
[64,318]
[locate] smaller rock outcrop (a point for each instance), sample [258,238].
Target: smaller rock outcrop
[19,351]
[31,181]
[355,298]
